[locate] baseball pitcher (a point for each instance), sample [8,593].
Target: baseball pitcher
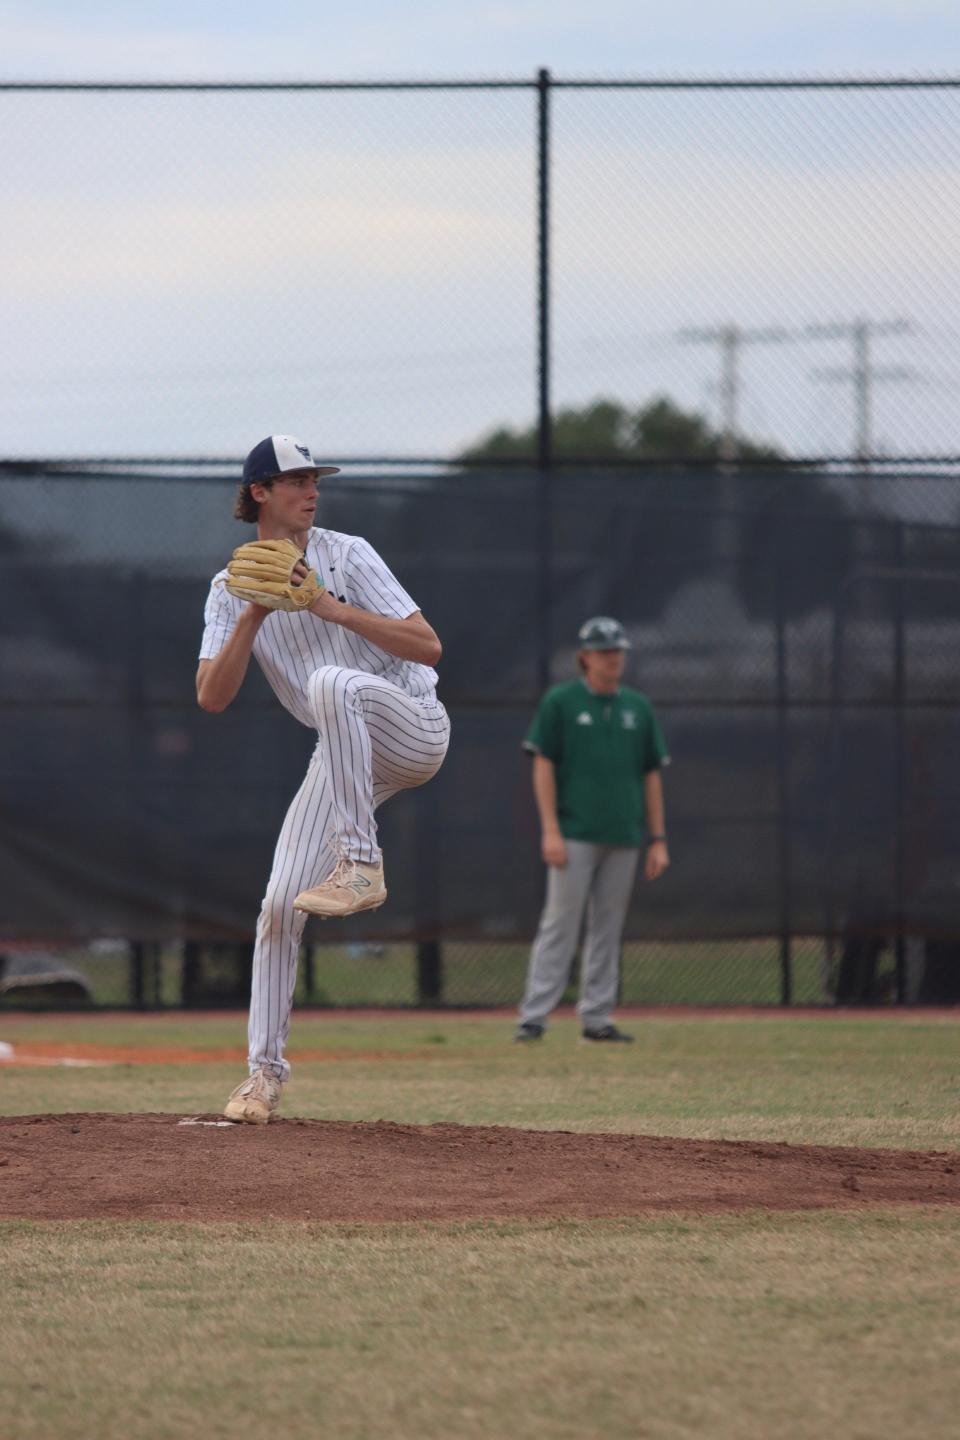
[348,653]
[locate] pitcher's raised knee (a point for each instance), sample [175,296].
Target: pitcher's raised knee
[331,689]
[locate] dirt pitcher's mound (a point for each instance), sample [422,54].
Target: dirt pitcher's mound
[196,1168]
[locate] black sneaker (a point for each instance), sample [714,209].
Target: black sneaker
[529,1030]
[608,1032]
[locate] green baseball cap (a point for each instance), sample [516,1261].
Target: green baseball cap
[602,633]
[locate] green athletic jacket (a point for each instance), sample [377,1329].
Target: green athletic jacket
[601,747]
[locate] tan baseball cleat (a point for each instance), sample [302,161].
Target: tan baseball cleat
[255,1099]
[352,886]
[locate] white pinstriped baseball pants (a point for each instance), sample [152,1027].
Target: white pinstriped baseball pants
[372,740]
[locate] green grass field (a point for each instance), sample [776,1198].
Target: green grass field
[746,1326]
[888,1079]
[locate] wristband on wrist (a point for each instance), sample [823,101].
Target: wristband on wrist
[656,839]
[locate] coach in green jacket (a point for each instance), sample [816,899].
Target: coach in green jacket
[597,755]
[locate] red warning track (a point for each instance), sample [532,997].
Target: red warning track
[13,1051]
[159,1167]
[75,1053]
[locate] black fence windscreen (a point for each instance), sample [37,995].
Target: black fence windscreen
[800,656]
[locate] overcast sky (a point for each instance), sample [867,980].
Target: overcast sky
[182,274]
[369,39]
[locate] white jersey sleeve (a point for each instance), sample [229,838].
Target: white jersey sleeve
[219,617]
[371,585]
[291,646]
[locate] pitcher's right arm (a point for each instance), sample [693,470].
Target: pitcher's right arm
[219,679]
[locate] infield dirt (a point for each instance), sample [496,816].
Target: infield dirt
[94,1166]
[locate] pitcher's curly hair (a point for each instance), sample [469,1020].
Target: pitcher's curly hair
[245,507]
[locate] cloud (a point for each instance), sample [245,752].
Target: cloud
[343,212]
[293,39]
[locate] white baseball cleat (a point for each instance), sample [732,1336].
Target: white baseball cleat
[255,1099]
[352,886]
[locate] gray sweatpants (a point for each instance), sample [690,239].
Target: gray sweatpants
[598,878]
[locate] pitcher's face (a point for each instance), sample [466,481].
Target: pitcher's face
[291,501]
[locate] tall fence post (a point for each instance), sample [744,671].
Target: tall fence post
[899,767]
[544,415]
[137,988]
[429,973]
[783,775]
[834,782]
[429,953]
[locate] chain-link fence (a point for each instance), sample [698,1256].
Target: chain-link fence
[374,262]
[680,353]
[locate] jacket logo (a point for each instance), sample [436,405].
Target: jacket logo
[629,720]
[584,718]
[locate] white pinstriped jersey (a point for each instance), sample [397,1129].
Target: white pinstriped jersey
[289,647]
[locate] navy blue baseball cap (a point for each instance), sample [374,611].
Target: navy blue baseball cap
[279,454]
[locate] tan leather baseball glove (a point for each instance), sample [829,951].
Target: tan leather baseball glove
[262,572]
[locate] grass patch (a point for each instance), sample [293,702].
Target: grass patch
[875,1080]
[741,1327]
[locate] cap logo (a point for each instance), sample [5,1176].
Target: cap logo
[304,451]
